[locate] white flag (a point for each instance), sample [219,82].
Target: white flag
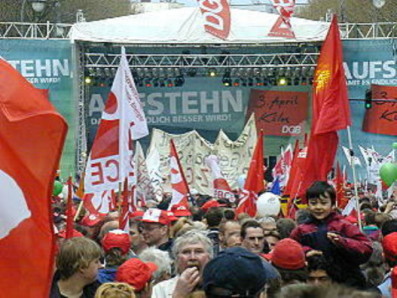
[356,160]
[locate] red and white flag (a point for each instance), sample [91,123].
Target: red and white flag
[32,134]
[283,166]
[123,120]
[180,188]
[254,182]
[222,189]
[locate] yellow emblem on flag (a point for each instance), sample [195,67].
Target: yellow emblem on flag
[322,79]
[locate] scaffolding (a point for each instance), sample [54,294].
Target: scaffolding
[87,60]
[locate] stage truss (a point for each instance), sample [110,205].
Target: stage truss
[86,60]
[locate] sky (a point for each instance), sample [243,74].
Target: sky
[249,4]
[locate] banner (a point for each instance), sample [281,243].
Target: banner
[234,156]
[283,27]
[216,15]
[382,117]
[154,168]
[144,188]
[47,64]
[279,113]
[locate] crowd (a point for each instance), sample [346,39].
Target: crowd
[206,250]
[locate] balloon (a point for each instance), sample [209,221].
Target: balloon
[268,204]
[241,181]
[388,173]
[58,186]
[395,145]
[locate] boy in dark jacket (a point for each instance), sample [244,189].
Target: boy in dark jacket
[325,231]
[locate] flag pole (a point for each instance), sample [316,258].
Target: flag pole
[349,136]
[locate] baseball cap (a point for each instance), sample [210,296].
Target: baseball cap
[116,239]
[288,254]
[171,216]
[154,215]
[135,273]
[210,204]
[236,270]
[62,234]
[136,214]
[180,210]
[90,220]
[389,244]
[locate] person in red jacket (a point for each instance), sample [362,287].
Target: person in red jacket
[326,232]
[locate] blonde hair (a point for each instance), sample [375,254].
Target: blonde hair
[115,290]
[182,223]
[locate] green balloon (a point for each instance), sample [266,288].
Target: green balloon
[58,186]
[388,173]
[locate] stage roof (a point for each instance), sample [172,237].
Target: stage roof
[185,26]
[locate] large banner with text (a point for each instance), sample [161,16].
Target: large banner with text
[234,156]
[47,64]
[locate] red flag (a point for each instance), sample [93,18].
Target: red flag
[331,110]
[32,134]
[69,210]
[340,192]
[254,182]
[180,188]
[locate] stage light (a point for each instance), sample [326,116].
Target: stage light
[191,72]
[236,83]
[148,83]
[155,82]
[226,80]
[282,81]
[162,83]
[169,83]
[91,71]
[107,72]
[88,80]
[250,82]
[259,82]
[179,81]
[212,72]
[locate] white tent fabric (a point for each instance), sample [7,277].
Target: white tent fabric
[185,26]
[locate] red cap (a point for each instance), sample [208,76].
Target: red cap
[389,244]
[156,216]
[171,216]
[288,254]
[136,214]
[180,210]
[62,234]
[90,220]
[116,239]
[135,273]
[210,204]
